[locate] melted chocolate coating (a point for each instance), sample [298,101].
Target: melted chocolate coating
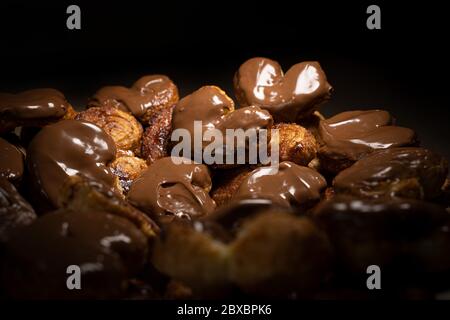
[11,161]
[292,185]
[107,248]
[69,148]
[353,134]
[33,104]
[407,172]
[146,93]
[216,110]
[380,231]
[167,189]
[15,211]
[296,94]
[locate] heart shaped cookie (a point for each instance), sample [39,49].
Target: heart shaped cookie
[288,97]
[147,95]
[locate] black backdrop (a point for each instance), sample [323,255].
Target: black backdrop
[403,67]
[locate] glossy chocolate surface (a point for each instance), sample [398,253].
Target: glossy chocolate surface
[292,185]
[107,248]
[352,134]
[296,94]
[386,232]
[146,93]
[68,148]
[11,161]
[394,172]
[167,189]
[215,109]
[33,104]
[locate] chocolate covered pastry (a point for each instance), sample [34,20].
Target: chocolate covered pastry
[386,233]
[15,211]
[123,128]
[227,182]
[143,224]
[398,172]
[36,107]
[187,253]
[148,93]
[79,194]
[277,254]
[107,249]
[11,161]
[288,97]
[291,254]
[215,109]
[351,135]
[68,148]
[166,190]
[291,185]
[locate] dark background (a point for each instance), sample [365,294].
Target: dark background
[402,68]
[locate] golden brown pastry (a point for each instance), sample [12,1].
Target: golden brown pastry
[262,249]
[127,168]
[189,253]
[148,93]
[35,108]
[296,144]
[123,128]
[79,194]
[277,254]
[156,137]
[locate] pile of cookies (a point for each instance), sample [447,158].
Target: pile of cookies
[98,188]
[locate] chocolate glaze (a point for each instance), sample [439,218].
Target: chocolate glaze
[367,231]
[11,161]
[68,148]
[296,94]
[14,210]
[169,189]
[107,248]
[352,134]
[33,104]
[410,172]
[292,185]
[146,93]
[215,109]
